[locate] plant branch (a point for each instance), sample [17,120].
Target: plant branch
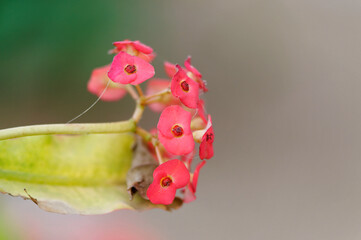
[140,91]
[147,136]
[76,128]
[157,95]
[138,112]
[132,92]
[159,155]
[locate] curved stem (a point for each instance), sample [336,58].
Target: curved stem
[138,112]
[157,95]
[77,128]
[147,136]
[153,100]
[159,154]
[140,91]
[132,92]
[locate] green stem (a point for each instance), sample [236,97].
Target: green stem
[158,95]
[139,109]
[132,92]
[159,154]
[144,134]
[140,91]
[76,128]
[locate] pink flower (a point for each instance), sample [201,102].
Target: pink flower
[167,178]
[158,85]
[185,88]
[190,191]
[195,74]
[170,69]
[174,130]
[134,48]
[127,69]
[99,80]
[206,146]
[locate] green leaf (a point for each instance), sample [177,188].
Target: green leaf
[82,174]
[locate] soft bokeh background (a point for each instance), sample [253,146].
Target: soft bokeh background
[285,82]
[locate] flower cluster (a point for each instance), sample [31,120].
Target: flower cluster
[183,121]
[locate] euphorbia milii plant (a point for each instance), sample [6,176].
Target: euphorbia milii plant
[160,171]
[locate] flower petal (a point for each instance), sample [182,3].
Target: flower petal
[189,67]
[190,190]
[176,170]
[174,115]
[170,69]
[177,145]
[189,194]
[99,80]
[142,47]
[206,146]
[196,174]
[161,195]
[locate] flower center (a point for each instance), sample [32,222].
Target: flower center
[185,86]
[209,137]
[166,181]
[177,130]
[130,69]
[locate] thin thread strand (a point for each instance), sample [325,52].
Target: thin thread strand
[91,106]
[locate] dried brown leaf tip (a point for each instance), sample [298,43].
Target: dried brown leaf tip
[140,175]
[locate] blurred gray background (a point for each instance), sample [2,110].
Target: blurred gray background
[284,79]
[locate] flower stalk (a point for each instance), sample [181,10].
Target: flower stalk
[132,92]
[157,95]
[75,128]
